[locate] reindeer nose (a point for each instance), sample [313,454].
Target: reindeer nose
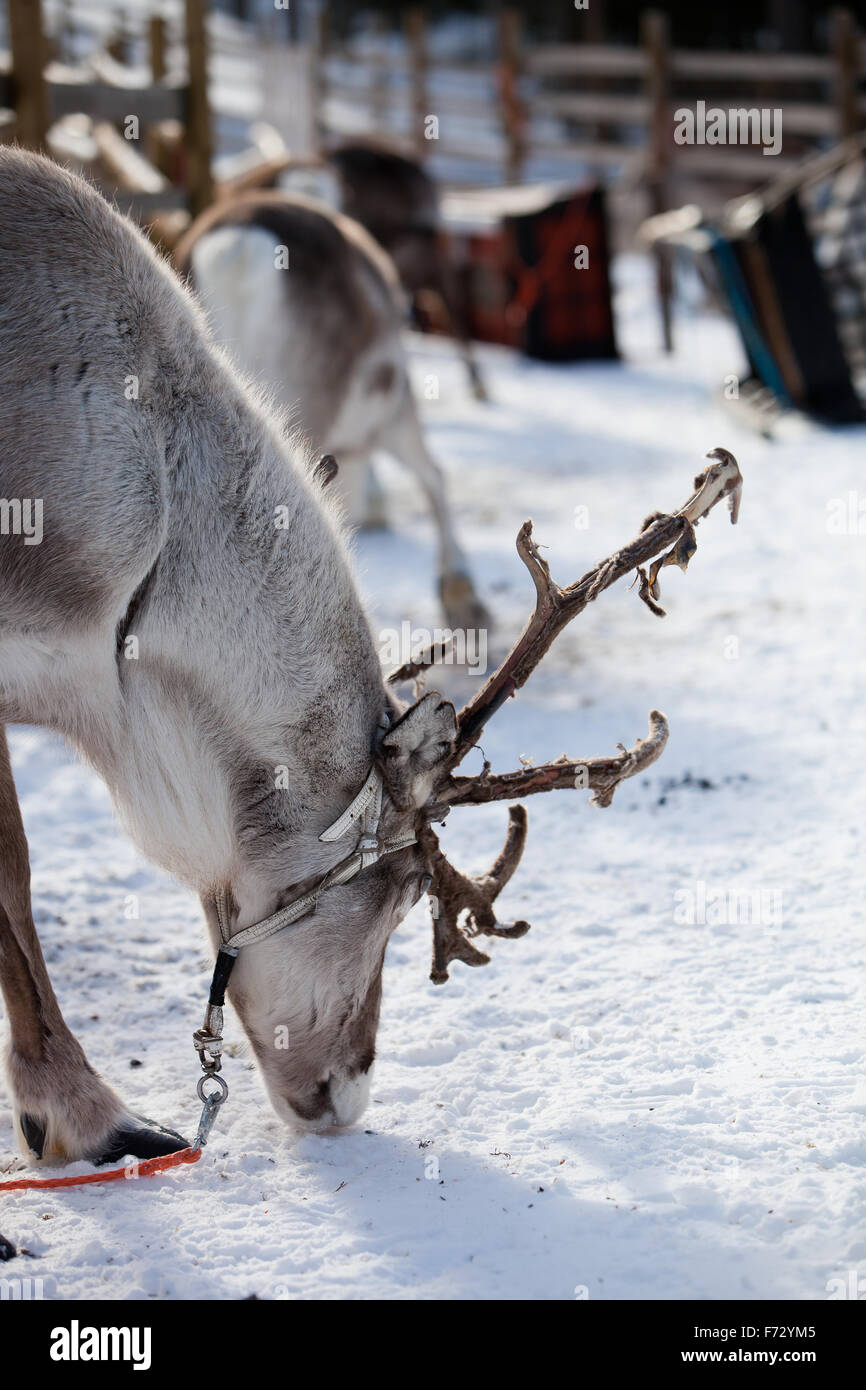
[339,1102]
[349,1097]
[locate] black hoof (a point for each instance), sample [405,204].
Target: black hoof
[34,1134]
[145,1140]
[7,1249]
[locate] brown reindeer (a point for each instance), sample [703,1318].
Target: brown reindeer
[397,201]
[176,601]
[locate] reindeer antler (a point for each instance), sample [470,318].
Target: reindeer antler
[452,893]
[555,607]
[601,775]
[428,656]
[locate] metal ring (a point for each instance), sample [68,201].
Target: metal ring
[214,1097]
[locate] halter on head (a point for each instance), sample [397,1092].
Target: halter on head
[365,810]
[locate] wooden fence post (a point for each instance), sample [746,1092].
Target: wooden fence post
[416,41]
[157,47]
[199,139]
[592,23]
[162,138]
[844,46]
[117,44]
[27,40]
[509,94]
[655,38]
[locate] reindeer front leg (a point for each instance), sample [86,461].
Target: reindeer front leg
[404,439]
[63,1109]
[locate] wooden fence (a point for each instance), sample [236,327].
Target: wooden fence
[523,113]
[39,91]
[527,112]
[535,110]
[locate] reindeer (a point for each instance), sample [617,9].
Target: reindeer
[310,306]
[189,622]
[397,201]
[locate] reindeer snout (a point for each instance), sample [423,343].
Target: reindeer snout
[349,1097]
[337,1103]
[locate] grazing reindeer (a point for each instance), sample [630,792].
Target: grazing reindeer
[189,622]
[309,305]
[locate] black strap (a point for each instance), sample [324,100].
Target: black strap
[226,957]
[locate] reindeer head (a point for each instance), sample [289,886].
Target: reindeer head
[321,1076]
[309,994]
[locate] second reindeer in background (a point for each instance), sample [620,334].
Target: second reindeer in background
[310,306]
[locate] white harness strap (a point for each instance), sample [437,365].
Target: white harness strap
[365,810]
[367,805]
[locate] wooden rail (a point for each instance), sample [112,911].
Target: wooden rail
[563,111]
[41,92]
[537,101]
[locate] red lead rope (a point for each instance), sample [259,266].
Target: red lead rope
[209,1045]
[145,1169]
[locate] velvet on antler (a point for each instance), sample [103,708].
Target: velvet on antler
[665,539]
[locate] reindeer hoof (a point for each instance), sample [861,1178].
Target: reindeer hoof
[463,608]
[7,1250]
[34,1134]
[144,1140]
[476,383]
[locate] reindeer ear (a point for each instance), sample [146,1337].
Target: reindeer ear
[414,748]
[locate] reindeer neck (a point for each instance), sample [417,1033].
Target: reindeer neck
[252,691]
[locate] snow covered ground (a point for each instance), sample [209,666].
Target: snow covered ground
[660,1091]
